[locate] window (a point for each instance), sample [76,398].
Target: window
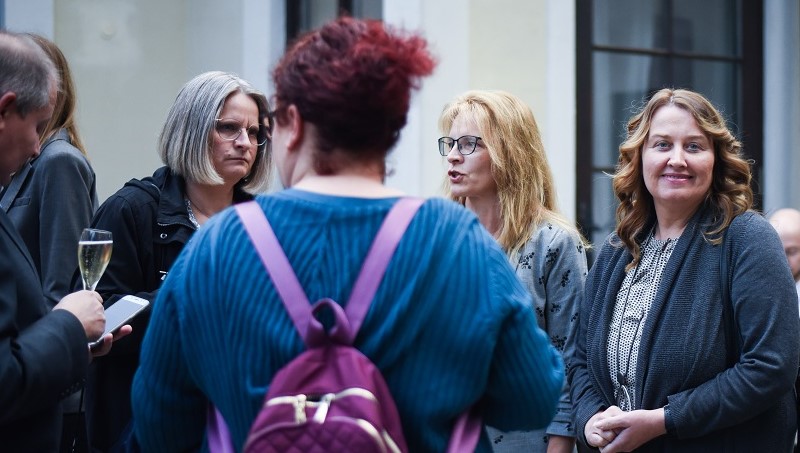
[628,49]
[305,15]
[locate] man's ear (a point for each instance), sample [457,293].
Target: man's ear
[7,104]
[296,128]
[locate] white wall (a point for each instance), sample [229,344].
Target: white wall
[419,169]
[526,48]
[128,60]
[34,16]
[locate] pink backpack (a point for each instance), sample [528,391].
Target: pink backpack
[330,398]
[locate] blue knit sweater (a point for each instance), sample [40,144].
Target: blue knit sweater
[451,326]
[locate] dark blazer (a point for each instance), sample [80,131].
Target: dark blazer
[43,353]
[54,201]
[683,356]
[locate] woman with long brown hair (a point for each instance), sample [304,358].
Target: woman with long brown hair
[689,334]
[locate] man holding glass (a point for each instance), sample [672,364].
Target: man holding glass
[43,354]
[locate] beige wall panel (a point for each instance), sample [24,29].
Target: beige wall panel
[128,61]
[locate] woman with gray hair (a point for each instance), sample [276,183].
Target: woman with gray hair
[214,145]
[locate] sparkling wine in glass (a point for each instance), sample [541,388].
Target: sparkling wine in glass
[94,253]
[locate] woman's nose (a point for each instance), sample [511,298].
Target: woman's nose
[677,157]
[243,139]
[454,155]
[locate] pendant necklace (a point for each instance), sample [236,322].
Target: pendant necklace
[192,218]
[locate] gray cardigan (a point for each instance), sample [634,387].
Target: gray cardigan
[49,204]
[682,361]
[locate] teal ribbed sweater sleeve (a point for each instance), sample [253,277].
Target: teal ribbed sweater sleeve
[450,326]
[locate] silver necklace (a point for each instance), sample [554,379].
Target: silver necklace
[192,218]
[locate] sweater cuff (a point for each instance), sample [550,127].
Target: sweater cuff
[669,423]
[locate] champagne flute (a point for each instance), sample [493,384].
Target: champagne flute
[94,253]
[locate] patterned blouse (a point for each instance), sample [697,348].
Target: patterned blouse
[552,267]
[637,292]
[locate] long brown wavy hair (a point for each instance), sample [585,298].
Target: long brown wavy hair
[519,166]
[729,194]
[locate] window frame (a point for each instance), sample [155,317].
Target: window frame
[751,94]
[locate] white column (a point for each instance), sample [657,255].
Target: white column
[559,128]
[419,170]
[781,104]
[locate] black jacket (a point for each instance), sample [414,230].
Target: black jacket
[42,352]
[150,226]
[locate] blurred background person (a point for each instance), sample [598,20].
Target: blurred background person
[499,170]
[450,327]
[43,348]
[214,147]
[787,223]
[50,200]
[672,354]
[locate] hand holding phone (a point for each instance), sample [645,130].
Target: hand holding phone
[120,314]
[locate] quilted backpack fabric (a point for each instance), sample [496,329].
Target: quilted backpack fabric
[329,398]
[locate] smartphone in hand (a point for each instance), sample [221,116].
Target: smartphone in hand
[120,314]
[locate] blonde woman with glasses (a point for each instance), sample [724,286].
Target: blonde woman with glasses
[498,169]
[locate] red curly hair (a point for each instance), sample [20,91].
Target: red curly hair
[352,79]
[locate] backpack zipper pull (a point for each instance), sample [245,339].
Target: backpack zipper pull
[324,405]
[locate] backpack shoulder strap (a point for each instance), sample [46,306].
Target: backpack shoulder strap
[283,277]
[274,259]
[380,253]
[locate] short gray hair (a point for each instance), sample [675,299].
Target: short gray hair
[26,71]
[184,144]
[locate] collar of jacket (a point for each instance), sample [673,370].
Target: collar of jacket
[169,189]
[704,218]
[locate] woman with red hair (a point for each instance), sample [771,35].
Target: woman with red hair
[450,326]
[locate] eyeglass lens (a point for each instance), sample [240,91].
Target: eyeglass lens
[231,129]
[466,144]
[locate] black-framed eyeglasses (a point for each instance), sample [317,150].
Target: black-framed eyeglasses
[230,129]
[466,144]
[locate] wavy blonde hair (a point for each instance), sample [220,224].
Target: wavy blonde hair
[729,194]
[525,186]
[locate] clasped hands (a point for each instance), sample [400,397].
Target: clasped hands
[614,430]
